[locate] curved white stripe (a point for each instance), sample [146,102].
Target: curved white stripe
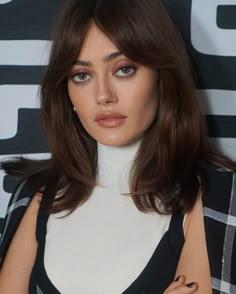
[5,1]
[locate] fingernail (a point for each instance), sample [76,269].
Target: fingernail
[177,278]
[190,285]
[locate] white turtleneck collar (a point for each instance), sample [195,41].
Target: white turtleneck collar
[114,164]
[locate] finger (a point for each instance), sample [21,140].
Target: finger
[184,289]
[176,283]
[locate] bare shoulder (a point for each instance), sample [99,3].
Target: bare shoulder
[19,260]
[194,263]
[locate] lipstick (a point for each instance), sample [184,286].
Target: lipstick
[110,119]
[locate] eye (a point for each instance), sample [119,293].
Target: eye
[127,70]
[80,77]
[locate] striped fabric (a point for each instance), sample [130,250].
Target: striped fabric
[38,290]
[220,225]
[17,205]
[219,206]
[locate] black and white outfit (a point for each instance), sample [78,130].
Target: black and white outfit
[108,246]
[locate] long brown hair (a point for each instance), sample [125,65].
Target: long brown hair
[172,160]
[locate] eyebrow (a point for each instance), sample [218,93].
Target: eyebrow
[105,59]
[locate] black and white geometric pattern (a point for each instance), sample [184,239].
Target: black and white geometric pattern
[229,220]
[208,27]
[224,284]
[219,206]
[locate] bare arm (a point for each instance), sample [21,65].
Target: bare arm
[193,263]
[17,266]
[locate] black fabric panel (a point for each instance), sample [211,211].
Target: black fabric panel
[214,234]
[219,190]
[217,198]
[233,268]
[1,224]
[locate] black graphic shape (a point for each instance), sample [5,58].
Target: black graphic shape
[29,138]
[28,20]
[226,17]
[221,126]
[215,72]
[21,75]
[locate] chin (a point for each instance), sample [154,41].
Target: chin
[112,143]
[116,142]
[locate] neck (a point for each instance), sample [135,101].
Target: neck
[114,164]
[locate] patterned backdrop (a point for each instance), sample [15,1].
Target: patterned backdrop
[208,26]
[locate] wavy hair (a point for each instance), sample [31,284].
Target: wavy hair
[172,161]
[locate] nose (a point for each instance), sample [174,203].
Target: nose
[104,92]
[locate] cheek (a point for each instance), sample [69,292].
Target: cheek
[148,104]
[79,101]
[150,111]
[84,115]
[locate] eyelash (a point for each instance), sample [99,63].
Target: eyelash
[132,67]
[74,75]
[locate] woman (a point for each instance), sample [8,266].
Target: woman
[128,202]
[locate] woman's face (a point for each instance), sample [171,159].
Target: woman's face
[115,98]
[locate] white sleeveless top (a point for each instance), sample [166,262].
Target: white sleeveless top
[104,245]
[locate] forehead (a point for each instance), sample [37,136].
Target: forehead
[96,44]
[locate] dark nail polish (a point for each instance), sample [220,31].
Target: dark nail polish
[190,285]
[177,278]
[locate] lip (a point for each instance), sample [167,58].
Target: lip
[110,119]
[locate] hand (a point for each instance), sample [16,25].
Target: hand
[179,287]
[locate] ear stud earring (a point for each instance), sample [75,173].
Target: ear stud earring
[74,108]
